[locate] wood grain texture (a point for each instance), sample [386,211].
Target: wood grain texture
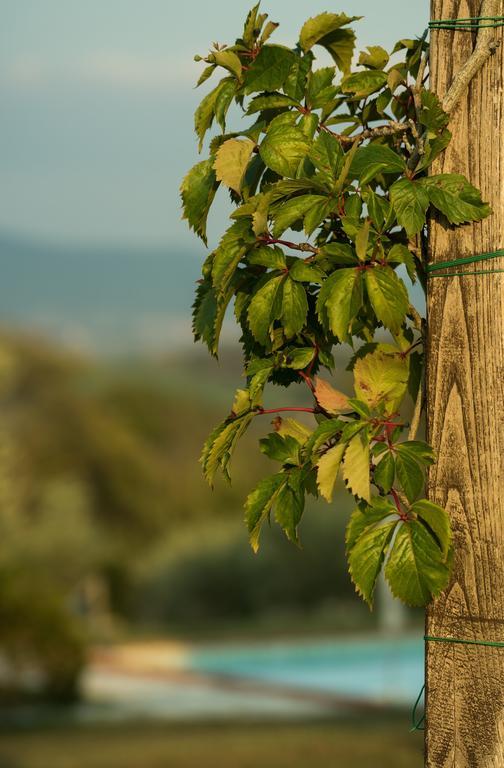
[465,415]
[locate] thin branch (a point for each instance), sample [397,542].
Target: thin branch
[415,420]
[263,411]
[306,247]
[417,88]
[485,47]
[390,129]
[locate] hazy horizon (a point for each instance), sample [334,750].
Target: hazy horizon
[98,102]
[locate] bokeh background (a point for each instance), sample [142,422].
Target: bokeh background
[136,627]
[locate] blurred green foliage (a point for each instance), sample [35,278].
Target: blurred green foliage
[107,526]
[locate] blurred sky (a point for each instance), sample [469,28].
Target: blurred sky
[97,104]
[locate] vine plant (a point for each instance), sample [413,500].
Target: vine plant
[340,153]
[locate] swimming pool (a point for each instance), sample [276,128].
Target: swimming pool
[381,670]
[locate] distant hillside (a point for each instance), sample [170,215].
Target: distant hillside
[110,300]
[99,298]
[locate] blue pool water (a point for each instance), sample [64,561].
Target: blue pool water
[381,670]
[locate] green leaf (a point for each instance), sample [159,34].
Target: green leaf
[339,253]
[379,209]
[458,200]
[438,521]
[415,569]
[231,162]
[251,28]
[410,202]
[388,296]
[292,210]
[339,300]
[258,381]
[261,213]
[373,159]
[432,114]
[320,87]
[381,377]
[283,148]
[376,57]
[268,30]
[233,245]
[209,309]
[294,307]
[366,557]
[318,213]
[270,101]
[367,516]
[230,61]
[325,29]
[263,309]
[295,83]
[269,70]
[267,256]
[289,505]
[223,100]
[363,83]
[259,503]
[204,312]
[327,156]
[327,470]
[279,448]
[306,273]
[205,113]
[385,472]
[356,466]
[207,72]
[198,191]
[299,358]
[433,148]
[220,445]
[326,430]
[409,475]
[400,254]
[362,240]
[420,451]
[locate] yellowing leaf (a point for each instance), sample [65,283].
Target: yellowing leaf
[231,162]
[241,402]
[381,377]
[331,400]
[327,470]
[292,428]
[356,466]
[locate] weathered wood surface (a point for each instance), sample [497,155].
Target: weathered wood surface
[465,415]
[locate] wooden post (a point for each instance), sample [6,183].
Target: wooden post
[465,416]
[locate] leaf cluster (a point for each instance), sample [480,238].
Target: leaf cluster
[331,191]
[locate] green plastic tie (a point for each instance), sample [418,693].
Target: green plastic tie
[466,25]
[434,268]
[417,724]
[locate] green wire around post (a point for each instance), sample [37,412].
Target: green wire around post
[417,724]
[433,269]
[466,25]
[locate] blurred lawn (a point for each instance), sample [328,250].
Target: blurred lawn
[382,743]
